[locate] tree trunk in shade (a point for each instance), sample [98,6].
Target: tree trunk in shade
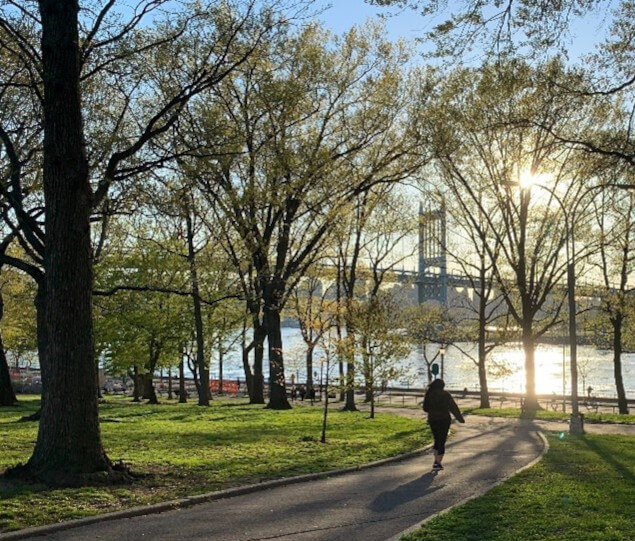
[68,450]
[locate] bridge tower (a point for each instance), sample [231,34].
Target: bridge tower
[432,279]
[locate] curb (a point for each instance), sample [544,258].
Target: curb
[545,448]
[190,501]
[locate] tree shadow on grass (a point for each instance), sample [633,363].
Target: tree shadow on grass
[609,459]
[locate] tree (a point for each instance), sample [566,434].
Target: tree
[7,395]
[533,29]
[366,242]
[378,325]
[615,221]
[17,326]
[142,314]
[179,212]
[387,223]
[429,325]
[69,450]
[308,137]
[486,309]
[501,26]
[315,314]
[488,159]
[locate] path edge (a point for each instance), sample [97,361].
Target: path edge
[190,501]
[414,528]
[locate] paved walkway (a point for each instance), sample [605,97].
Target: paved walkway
[374,504]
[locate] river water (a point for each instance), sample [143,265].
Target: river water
[595,368]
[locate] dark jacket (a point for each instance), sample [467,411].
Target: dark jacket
[439,404]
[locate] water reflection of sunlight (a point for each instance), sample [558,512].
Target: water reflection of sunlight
[508,372]
[550,370]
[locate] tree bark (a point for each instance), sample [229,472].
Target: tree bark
[220,365]
[349,393]
[7,394]
[277,387]
[531,400]
[182,391]
[260,334]
[249,377]
[68,450]
[482,335]
[149,392]
[309,366]
[136,384]
[42,342]
[622,403]
[203,369]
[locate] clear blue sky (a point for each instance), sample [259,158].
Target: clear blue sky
[345,13]
[342,14]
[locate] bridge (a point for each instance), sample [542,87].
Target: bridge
[432,278]
[433,282]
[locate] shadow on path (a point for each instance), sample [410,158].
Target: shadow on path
[418,488]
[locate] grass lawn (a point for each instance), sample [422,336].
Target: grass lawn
[183,449]
[582,489]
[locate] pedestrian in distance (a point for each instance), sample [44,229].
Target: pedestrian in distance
[438,403]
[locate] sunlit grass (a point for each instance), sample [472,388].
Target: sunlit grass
[183,449]
[581,489]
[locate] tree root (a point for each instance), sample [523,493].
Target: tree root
[116,474]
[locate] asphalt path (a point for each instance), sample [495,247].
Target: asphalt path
[373,504]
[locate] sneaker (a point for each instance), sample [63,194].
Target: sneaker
[437,466]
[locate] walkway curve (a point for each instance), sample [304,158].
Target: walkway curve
[372,504]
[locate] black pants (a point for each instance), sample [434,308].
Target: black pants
[440,429]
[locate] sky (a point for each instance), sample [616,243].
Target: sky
[340,15]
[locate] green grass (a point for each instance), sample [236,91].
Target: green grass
[581,490]
[183,449]
[548,415]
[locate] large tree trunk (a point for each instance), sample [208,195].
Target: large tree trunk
[136,384]
[622,403]
[260,334]
[149,392]
[68,448]
[7,395]
[277,387]
[531,401]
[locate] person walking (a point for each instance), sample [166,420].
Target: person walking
[438,403]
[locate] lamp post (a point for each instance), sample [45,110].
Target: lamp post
[442,353]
